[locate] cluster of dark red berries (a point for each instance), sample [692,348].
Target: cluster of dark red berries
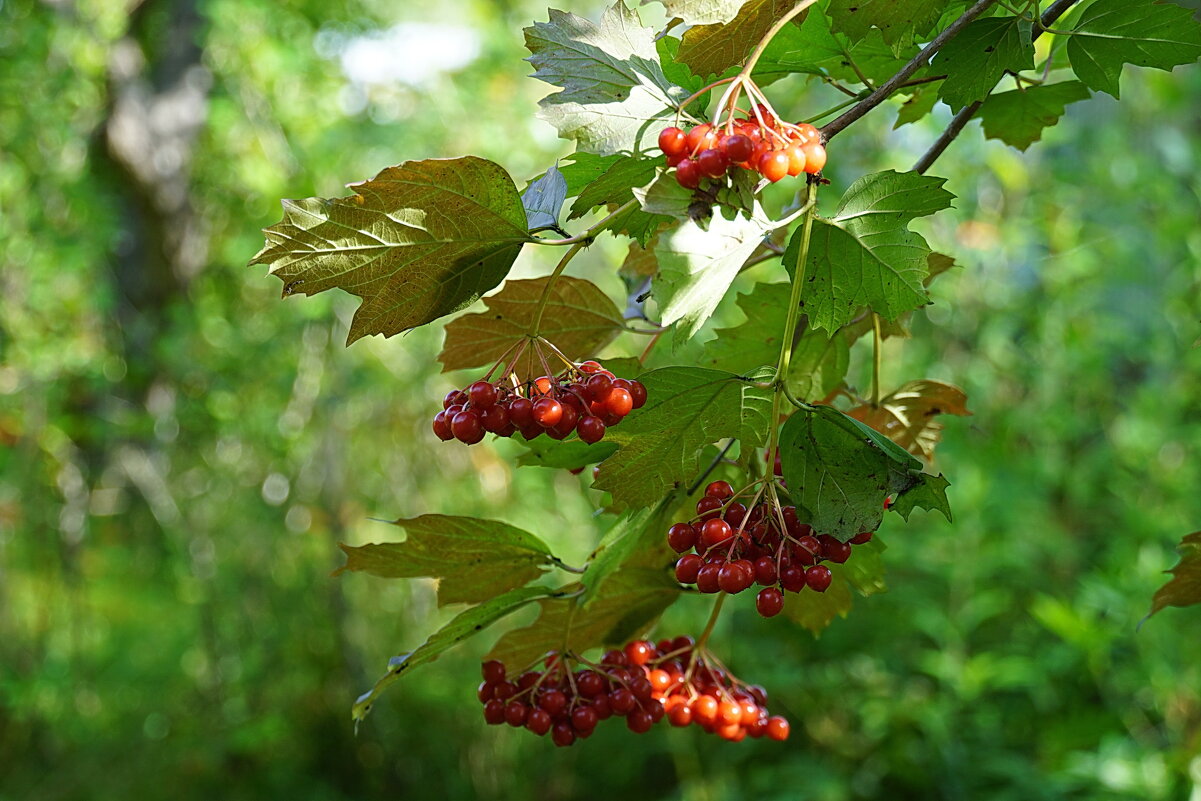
[728,548]
[643,683]
[761,143]
[586,399]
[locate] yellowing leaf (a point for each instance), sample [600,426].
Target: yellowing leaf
[418,241]
[909,415]
[1185,587]
[579,319]
[710,49]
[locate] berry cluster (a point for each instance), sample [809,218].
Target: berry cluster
[759,142]
[643,683]
[585,398]
[728,548]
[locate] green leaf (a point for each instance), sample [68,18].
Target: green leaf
[1018,117]
[579,319]
[711,49]
[637,540]
[697,264]
[544,197]
[815,49]
[616,185]
[897,20]
[889,199]
[819,365]
[474,559]
[1113,33]
[841,471]
[977,58]
[919,104]
[584,168]
[613,85]
[930,495]
[703,12]
[418,241]
[687,408]
[816,610]
[1185,587]
[630,603]
[464,626]
[570,455]
[678,73]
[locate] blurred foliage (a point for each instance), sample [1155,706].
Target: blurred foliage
[177,463]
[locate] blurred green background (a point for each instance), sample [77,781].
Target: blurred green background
[180,452]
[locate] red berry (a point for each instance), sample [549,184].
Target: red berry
[834,550]
[707,578]
[515,713]
[496,419]
[807,131]
[777,728]
[467,427]
[547,412]
[681,537]
[622,701]
[796,158]
[769,602]
[713,162]
[494,712]
[733,578]
[688,174]
[792,578]
[620,402]
[861,537]
[773,165]
[589,366]
[591,429]
[598,387]
[538,721]
[584,718]
[639,652]
[680,715]
[765,571]
[493,671]
[688,568]
[640,721]
[715,532]
[697,136]
[456,397]
[704,709]
[521,413]
[482,395]
[543,386]
[720,490]
[638,393]
[567,421]
[562,734]
[815,157]
[738,148]
[672,141]
[707,508]
[442,427]
[553,701]
[818,578]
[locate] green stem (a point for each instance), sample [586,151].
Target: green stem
[587,237]
[704,638]
[550,282]
[790,324]
[877,347]
[767,37]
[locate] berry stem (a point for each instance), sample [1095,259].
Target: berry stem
[550,283]
[704,638]
[680,108]
[771,33]
[877,343]
[790,323]
[586,238]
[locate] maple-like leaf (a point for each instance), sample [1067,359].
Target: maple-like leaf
[909,415]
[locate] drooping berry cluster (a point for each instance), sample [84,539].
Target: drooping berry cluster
[728,548]
[643,683]
[585,399]
[759,142]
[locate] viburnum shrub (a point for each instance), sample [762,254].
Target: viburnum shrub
[764,465]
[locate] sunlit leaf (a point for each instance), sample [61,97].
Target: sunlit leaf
[703,12]
[977,58]
[897,20]
[473,559]
[710,49]
[1113,33]
[909,415]
[579,319]
[418,241]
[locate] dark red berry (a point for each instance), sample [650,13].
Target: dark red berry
[720,490]
[493,671]
[521,413]
[494,712]
[638,393]
[538,721]
[482,395]
[688,174]
[713,162]
[681,537]
[769,602]
[598,387]
[792,578]
[688,568]
[496,419]
[442,428]
[591,429]
[562,734]
[584,719]
[738,148]
[732,578]
[467,427]
[707,578]
[515,713]
[818,578]
[862,537]
[715,532]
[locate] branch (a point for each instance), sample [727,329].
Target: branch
[960,120]
[916,63]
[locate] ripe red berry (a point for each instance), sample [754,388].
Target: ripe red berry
[521,413]
[553,701]
[861,537]
[494,712]
[538,721]
[796,158]
[818,578]
[720,490]
[713,162]
[697,137]
[597,388]
[515,713]
[640,721]
[493,671]
[815,157]
[792,578]
[442,427]
[620,402]
[704,709]
[547,412]
[639,652]
[482,395]
[584,719]
[681,537]
[638,394]
[738,148]
[707,578]
[622,701]
[688,174]
[733,578]
[496,419]
[765,571]
[834,550]
[773,165]
[467,427]
[591,429]
[777,728]
[769,602]
[707,508]
[589,366]
[456,397]
[562,734]
[680,715]
[672,141]
[688,568]
[807,131]
[715,532]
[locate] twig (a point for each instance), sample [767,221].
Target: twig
[916,63]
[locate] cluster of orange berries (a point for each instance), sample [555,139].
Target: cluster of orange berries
[644,682]
[728,548]
[759,142]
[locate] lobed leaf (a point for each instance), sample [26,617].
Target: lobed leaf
[637,540]
[631,602]
[703,12]
[908,415]
[1184,589]
[418,241]
[473,559]
[612,83]
[1113,33]
[579,319]
[711,49]
[464,626]
[687,408]
[897,20]
[841,471]
[571,455]
[977,58]
[1018,117]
